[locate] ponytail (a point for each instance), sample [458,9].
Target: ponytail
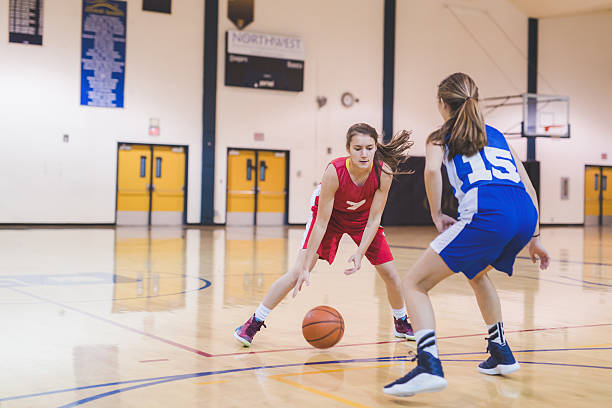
[464,132]
[394,153]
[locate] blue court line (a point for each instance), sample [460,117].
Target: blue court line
[540,363]
[558,283]
[204,286]
[585,281]
[159,380]
[538,278]
[123,326]
[520,257]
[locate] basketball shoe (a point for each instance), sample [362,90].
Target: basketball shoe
[501,360]
[247,331]
[427,376]
[403,329]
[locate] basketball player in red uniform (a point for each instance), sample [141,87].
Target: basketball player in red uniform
[350,199]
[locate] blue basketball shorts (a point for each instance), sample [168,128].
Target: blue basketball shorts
[494,225]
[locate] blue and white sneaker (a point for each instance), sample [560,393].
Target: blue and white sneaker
[501,360]
[427,376]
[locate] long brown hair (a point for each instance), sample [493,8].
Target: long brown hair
[392,153]
[464,132]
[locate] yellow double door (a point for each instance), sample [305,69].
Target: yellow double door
[150,185]
[256,187]
[597,195]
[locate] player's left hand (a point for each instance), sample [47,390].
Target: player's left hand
[356,260]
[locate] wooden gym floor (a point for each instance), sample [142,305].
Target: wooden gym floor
[131,317]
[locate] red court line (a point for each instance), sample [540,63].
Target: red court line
[204,354]
[153,361]
[123,326]
[398,341]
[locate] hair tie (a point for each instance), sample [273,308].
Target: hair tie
[465,100]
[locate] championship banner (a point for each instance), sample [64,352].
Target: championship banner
[267,61]
[103,53]
[26,21]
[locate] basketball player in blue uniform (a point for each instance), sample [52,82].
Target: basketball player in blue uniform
[497,217]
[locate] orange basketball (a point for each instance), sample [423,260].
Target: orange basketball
[323,326]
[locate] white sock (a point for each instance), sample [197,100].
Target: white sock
[426,340]
[262,312]
[399,313]
[496,333]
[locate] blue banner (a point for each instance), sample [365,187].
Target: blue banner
[103,53]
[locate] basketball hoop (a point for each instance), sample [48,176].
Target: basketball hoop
[541,115]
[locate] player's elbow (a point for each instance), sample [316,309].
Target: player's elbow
[431,173]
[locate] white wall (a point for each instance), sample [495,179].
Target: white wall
[486,39]
[344,52]
[575,59]
[47,181]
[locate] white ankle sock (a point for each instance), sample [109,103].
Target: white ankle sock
[399,313]
[496,333]
[262,312]
[427,338]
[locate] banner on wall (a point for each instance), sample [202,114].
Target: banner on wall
[240,12]
[264,61]
[26,21]
[103,53]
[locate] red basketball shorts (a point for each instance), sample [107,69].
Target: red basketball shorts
[378,252]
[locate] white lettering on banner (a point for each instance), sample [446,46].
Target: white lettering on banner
[238,58]
[266,84]
[265,45]
[102,58]
[294,65]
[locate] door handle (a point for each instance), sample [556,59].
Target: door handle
[158,167]
[249,169]
[143,166]
[262,170]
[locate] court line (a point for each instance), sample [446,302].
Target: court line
[318,392]
[585,281]
[556,282]
[519,257]
[146,382]
[539,278]
[211,382]
[123,326]
[401,341]
[205,354]
[207,283]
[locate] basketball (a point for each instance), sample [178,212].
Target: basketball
[323,327]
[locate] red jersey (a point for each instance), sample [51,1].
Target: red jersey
[352,200]
[350,214]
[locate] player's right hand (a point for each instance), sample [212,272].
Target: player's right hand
[303,277]
[537,250]
[443,222]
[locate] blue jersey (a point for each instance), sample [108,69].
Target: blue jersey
[493,165]
[496,217]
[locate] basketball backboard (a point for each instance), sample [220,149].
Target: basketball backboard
[541,115]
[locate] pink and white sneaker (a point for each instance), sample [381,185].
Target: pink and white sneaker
[403,329]
[245,333]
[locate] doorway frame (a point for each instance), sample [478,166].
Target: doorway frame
[152,145]
[600,218]
[287,181]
